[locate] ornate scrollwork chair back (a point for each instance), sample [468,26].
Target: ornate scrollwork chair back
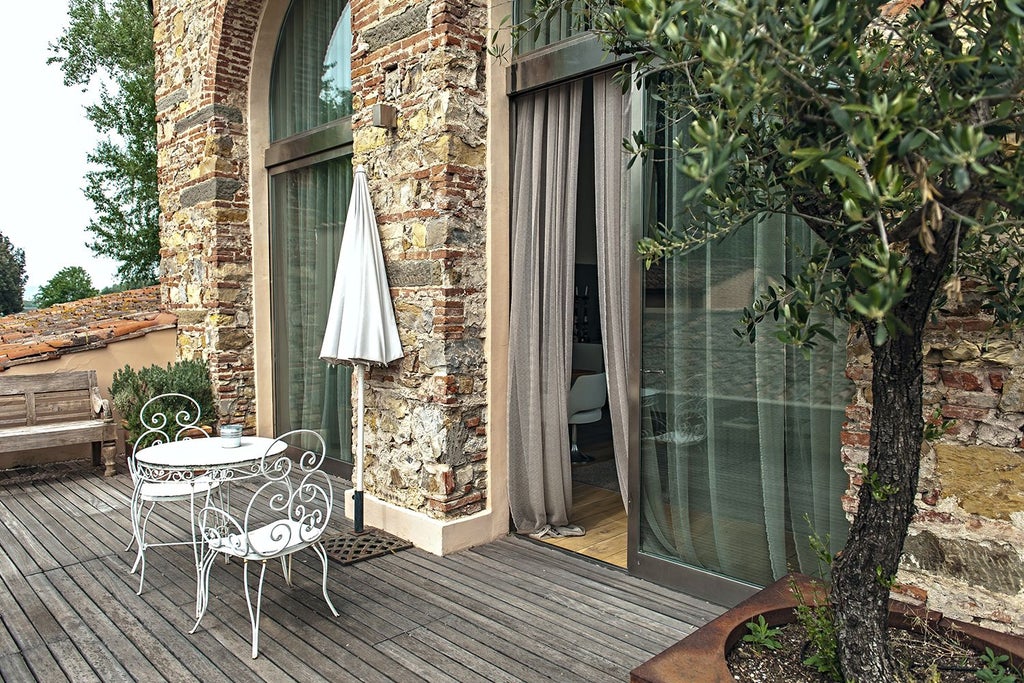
[167,417]
[170,417]
[289,511]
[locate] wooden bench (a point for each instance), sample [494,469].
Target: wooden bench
[57,409]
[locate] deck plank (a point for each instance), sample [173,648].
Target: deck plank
[44,665]
[80,633]
[14,668]
[505,618]
[510,611]
[556,607]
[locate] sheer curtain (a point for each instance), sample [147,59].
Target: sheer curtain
[615,251]
[311,80]
[547,138]
[739,442]
[308,216]
[310,87]
[741,459]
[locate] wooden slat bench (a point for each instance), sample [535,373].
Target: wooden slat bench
[57,409]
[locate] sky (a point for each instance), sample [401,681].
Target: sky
[46,139]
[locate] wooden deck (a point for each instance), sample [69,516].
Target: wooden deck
[513,610]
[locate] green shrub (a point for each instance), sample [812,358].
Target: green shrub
[130,389]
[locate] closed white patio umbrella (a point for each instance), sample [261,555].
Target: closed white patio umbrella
[361,326]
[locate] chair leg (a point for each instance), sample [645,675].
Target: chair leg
[254,614]
[203,590]
[286,568]
[136,512]
[575,454]
[322,553]
[140,556]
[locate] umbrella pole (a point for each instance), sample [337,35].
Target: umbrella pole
[357,494]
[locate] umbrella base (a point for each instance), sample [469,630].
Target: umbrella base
[357,512]
[351,546]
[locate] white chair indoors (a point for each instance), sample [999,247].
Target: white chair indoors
[167,417]
[288,512]
[587,397]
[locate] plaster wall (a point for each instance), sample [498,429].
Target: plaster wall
[155,348]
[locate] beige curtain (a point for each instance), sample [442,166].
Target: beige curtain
[614,253]
[547,138]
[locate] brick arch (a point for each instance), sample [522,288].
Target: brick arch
[232,36]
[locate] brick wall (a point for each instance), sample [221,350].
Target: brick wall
[202,56]
[965,552]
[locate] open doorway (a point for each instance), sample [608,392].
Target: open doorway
[567,468]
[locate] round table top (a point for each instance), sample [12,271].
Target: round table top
[207,453]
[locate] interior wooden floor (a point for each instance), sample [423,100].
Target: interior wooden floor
[598,510]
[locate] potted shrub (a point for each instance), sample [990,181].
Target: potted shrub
[130,389]
[892,131]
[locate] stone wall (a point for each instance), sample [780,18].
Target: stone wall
[202,58]
[965,552]
[426,418]
[427,180]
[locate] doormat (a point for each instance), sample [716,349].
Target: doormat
[350,547]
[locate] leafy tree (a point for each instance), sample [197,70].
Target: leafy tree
[12,277]
[112,41]
[125,285]
[896,137]
[69,284]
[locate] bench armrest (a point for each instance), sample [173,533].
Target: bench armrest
[100,405]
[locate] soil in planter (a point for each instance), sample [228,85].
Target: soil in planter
[924,655]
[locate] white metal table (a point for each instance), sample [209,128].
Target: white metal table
[184,461]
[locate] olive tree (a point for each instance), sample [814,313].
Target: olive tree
[895,135]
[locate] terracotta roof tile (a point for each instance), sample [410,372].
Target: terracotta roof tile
[79,325]
[898,7]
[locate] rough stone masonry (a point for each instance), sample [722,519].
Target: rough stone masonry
[965,552]
[426,417]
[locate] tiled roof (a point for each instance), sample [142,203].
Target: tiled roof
[90,323]
[898,7]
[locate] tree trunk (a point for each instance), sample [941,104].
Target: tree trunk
[860,587]
[863,571]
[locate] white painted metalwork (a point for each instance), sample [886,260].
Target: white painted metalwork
[197,467]
[289,511]
[152,486]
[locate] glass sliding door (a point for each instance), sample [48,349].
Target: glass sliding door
[308,208]
[739,446]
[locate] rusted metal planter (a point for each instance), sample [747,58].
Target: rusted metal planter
[700,657]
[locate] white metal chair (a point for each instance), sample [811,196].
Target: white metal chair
[586,398]
[167,417]
[288,512]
